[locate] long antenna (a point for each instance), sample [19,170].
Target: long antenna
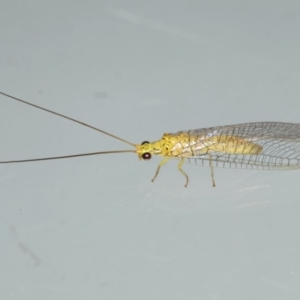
[68,118]
[66,156]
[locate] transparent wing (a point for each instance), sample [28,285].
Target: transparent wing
[280,146]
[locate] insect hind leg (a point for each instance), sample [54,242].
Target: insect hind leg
[212,172]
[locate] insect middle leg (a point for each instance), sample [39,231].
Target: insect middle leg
[182,172]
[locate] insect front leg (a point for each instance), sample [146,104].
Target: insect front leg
[182,172]
[159,166]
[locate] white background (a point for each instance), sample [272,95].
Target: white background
[97,227]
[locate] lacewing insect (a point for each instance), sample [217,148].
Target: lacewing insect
[259,145]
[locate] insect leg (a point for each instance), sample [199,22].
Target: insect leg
[158,168]
[212,172]
[182,172]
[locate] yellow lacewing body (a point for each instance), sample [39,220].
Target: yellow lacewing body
[191,144]
[259,145]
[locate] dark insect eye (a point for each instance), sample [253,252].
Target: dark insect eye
[146,155]
[145,142]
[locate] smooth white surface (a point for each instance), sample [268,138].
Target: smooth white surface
[97,227]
